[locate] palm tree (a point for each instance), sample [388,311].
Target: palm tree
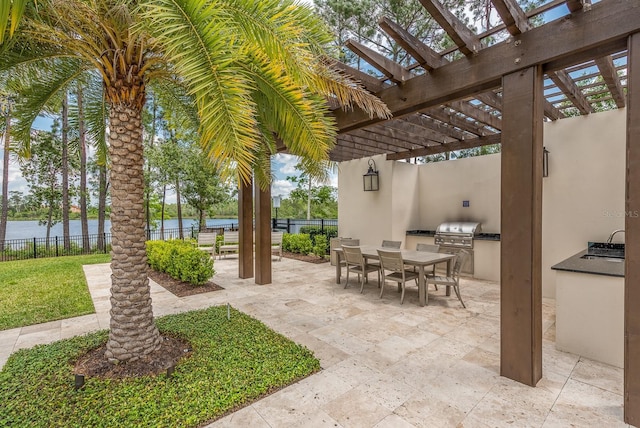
[256,69]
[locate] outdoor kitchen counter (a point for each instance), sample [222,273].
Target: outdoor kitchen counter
[590,308]
[592,266]
[486,249]
[479,236]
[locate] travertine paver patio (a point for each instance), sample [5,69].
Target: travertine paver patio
[384,364]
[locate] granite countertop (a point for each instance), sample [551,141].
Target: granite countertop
[480,236]
[596,266]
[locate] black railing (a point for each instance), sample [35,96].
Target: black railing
[58,246]
[293,225]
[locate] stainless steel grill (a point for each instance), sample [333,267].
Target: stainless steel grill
[455,236]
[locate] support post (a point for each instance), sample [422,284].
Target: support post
[245,229]
[521,227]
[632,239]
[263,235]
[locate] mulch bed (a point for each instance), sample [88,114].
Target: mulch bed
[304,258]
[95,364]
[179,288]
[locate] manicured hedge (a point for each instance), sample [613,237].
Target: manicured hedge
[328,232]
[297,243]
[181,260]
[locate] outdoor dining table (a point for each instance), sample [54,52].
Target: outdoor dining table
[420,259]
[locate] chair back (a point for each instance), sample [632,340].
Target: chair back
[352,255]
[461,258]
[349,241]
[276,238]
[391,260]
[207,238]
[430,248]
[391,244]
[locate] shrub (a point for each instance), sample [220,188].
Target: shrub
[320,247]
[328,231]
[297,243]
[181,260]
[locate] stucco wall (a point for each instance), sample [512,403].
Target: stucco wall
[444,185]
[583,197]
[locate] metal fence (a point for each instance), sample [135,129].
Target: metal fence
[57,246]
[293,225]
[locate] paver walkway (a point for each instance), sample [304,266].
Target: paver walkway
[384,364]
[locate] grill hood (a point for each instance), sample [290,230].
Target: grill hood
[459,228]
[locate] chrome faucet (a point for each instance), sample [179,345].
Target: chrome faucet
[613,233]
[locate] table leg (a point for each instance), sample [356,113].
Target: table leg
[338,268]
[422,287]
[448,292]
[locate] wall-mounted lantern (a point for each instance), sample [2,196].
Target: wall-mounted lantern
[370,179]
[545,162]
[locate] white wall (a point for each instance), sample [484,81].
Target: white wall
[444,185]
[583,197]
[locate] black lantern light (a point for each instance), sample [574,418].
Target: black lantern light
[371,178]
[545,162]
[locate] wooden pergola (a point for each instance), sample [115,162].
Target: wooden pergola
[474,95]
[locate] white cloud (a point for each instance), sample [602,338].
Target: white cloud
[284,165]
[282,188]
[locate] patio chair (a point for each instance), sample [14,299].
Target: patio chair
[454,279]
[387,244]
[356,263]
[391,244]
[430,248]
[392,261]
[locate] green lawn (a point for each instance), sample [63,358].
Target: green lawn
[41,290]
[234,361]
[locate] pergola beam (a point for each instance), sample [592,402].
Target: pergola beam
[578,5]
[610,76]
[421,132]
[369,82]
[449,117]
[448,147]
[512,16]
[394,71]
[423,54]
[420,119]
[463,37]
[474,112]
[566,84]
[558,44]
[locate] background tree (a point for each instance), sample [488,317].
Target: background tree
[43,172]
[202,188]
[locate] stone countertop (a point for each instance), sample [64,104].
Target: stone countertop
[592,266]
[480,236]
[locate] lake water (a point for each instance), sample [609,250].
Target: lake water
[31,229]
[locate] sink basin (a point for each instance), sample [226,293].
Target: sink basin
[605,249]
[602,257]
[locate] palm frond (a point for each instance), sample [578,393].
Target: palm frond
[196,41]
[43,95]
[11,12]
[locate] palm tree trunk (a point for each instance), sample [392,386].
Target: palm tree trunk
[133,333]
[5,180]
[84,221]
[65,173]
[102,204]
